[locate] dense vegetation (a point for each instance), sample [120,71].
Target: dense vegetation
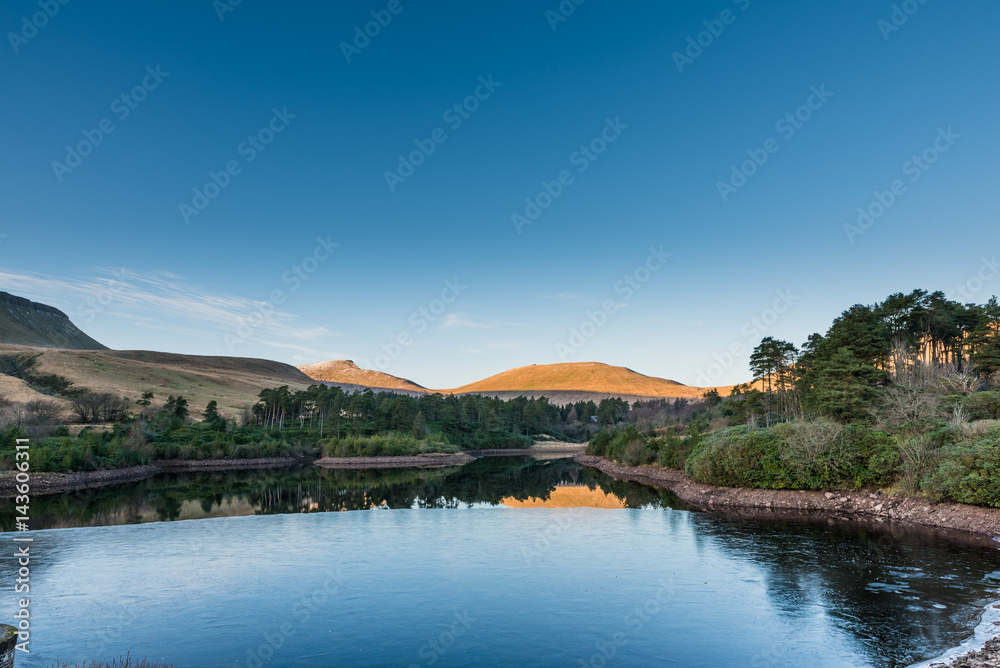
[288,423]
[900,395]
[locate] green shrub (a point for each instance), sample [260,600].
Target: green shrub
[673,451]
[795,456]
[983,405]
[388,445]
[968,473]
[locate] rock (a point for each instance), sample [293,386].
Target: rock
[844,499]
[878,508]
[829,495]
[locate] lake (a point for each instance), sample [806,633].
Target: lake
[506,561]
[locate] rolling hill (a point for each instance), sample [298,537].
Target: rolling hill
[591,377]
[348,375]
[560,383]
[27,327]
[27,323]
[232,381]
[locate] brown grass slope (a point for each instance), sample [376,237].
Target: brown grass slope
[232,381]
[27,323]
[576,377]
[346,372]
[559,383]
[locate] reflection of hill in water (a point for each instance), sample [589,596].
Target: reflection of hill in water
[871,575]
[490,480]
[570,496]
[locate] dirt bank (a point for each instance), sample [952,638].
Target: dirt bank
[393,462]
[54,483]
[540,448]
[851,503]
[226,464]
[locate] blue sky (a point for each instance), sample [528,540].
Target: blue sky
[108,241]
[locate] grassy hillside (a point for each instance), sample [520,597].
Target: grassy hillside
[232,381]
[590,377]
[560,383]
[27,323]
[347,373]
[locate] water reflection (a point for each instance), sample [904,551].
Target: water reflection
[898,589]
[182,496]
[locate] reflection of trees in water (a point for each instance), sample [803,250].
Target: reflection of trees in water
[832,565]
[312,489]
[637,495]
[879,583]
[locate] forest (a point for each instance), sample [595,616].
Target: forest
[900,395]
[301,424]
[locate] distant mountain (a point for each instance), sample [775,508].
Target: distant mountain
[348,375]
[27,323]
[560,383]
[29,328]
[588,377]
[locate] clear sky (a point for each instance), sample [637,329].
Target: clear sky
[615,125]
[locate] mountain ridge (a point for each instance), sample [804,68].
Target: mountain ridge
[568,381]
[27,323]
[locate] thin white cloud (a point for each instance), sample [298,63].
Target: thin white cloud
[458,320]
[158,300]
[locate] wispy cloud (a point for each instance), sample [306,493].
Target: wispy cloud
[563,296]
[156,300]
[459,320]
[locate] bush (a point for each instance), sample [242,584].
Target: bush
[968,473]
[795,456]
[983,406]
[389,445]
[673,451]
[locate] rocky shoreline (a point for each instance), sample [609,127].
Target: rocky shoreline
[845,503]
[416,461]
[172,465]
[850,504]
[55,483]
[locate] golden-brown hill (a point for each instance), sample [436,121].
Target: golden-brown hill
[560,383]
[346,372]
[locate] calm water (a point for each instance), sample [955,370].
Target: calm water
[433,573]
